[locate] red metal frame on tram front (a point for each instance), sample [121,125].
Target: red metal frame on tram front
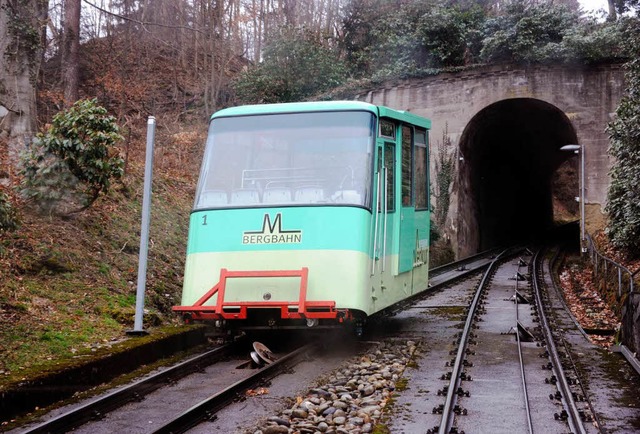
[319,309]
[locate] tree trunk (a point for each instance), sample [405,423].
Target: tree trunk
[612,11]
[70,50]
[21,22]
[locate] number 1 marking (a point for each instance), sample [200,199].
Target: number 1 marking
[204,220]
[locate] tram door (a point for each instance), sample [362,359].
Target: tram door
[407,248]
[386,206]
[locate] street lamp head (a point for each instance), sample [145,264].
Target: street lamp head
[571,148]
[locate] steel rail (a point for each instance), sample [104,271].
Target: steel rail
[522,370]
[441,269]
[113,400]
[631,358]
[489,255]
[554,284]
[209,406]
[454,383]
[575,421]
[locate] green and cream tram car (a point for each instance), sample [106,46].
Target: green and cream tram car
[308,214]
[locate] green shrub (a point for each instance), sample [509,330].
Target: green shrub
[623,204]
[8,214]
[451,36]
[592,42]
[528,33]
[74,161]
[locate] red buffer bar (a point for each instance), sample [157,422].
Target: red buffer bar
[303,308]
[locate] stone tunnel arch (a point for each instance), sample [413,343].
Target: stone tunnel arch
[509,152]
[582,100]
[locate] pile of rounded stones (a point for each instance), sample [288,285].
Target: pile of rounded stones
[351,400]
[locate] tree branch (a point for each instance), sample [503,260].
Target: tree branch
[18,112]
[143,24]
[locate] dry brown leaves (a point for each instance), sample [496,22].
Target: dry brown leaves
[587,305]
[257,392]
[605,248]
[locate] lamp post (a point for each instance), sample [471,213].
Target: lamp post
[579,149]
[144,231]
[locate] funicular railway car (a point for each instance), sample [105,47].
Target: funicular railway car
[308,215]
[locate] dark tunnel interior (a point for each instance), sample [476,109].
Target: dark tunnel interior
[509,153]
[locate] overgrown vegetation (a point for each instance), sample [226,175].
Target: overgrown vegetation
[74,160]
[381,40]
[296,65]
[68,285]
[25,37]
[623,203]
[528,34]
[444,172]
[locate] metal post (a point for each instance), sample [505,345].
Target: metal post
[619,282]
[144,231]
[579,149]
[583,246]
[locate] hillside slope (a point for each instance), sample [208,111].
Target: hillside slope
[68,283]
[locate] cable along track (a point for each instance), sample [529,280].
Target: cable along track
[496,380]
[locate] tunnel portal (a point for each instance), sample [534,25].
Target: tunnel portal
[509,152]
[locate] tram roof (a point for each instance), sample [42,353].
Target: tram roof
[322,106]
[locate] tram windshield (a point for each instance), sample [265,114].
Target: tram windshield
[288,159]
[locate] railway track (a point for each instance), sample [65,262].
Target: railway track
[495,363]
[101,407]
[207,408]
[483,365]
[569,387]
[454,389]
[136,391]
[469,265]
[88,417]
[527,400]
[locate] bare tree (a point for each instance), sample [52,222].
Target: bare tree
[70,49]
[612,10]
[21,22]
[207,41]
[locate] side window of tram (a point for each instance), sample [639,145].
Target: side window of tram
[379,167]
[407,166]
[388,131]
[390,164]
[421,169]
